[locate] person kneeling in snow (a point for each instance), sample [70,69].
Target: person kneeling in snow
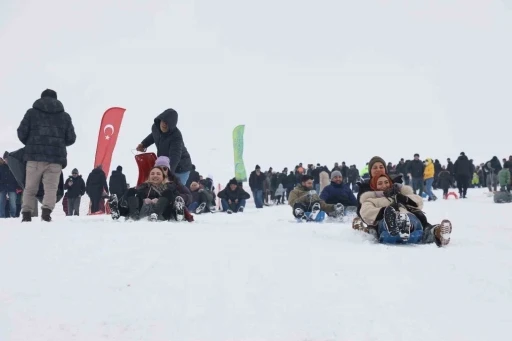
[389,208]
[202,199]
[233,197]
[158,198]
[307,204]
[338,192]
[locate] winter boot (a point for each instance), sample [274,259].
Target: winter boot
[179,206]
[241,209]
[358,224]
[229,211]
[299,213]
[114,207]
[26,217]
[442,233]
[339,211]
[390,220]
[315,209]
[133,208]
[200,209]
[45,215]
[404,226]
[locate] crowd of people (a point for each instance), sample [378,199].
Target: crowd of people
[389,197]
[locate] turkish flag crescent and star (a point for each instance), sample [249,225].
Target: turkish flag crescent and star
[107,138]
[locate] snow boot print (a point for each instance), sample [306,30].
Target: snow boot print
[114,207]
[179,206]
[390,219]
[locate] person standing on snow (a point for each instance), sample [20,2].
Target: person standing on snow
[169,142]
[46,130]
[95,186]
[75,187]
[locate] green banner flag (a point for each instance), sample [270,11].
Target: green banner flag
[238,148]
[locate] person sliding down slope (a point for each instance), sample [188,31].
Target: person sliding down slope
[306,203]
[389,208]
[158,198]
[338,192]
[233,197]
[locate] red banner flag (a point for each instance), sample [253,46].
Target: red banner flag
[107,137]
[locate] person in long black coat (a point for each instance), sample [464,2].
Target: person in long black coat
[117,182]
[95,186]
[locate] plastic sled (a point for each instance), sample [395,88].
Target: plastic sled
[145,162]
[319,218]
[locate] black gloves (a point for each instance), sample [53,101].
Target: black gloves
[392,191]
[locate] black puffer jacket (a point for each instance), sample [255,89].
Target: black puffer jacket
[46,130]
[171,143]
[237,194]
[96,182]
[462,167]
[74,187]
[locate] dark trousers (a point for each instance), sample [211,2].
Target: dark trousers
[462,184]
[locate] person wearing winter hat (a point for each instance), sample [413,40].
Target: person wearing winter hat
[164,162]
[46,131]
[338,192]
[169,142]
[75,187]
[377,166]
[233,197]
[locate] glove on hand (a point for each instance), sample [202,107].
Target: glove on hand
[392,191]
[403,199]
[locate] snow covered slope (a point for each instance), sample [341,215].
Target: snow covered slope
[255,276]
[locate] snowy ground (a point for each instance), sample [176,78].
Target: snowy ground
[255,276]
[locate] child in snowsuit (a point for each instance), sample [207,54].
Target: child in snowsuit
[504,178]
[445,181]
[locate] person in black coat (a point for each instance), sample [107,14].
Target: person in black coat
[193,177]
[76,189]
[256,183]
[169,142]
[463,175]
[416,168]
[8,188]
[117,182]
[95,186]
[233,197]
[46,131]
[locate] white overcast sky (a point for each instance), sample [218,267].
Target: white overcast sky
[314,81]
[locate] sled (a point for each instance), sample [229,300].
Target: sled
[145,162]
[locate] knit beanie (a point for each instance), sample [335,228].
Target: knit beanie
[373,181]
[373,161]
[335,174]
[74,171]
[233,182]
[49,93]
[163,161]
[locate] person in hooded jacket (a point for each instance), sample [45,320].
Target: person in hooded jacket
[117,182]
[75,187]
[463,174]
[428,175]
[169,142]
[233,197]
[95,186]
[46,131]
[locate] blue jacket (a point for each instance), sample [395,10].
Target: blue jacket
[8,182]
[334,194]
